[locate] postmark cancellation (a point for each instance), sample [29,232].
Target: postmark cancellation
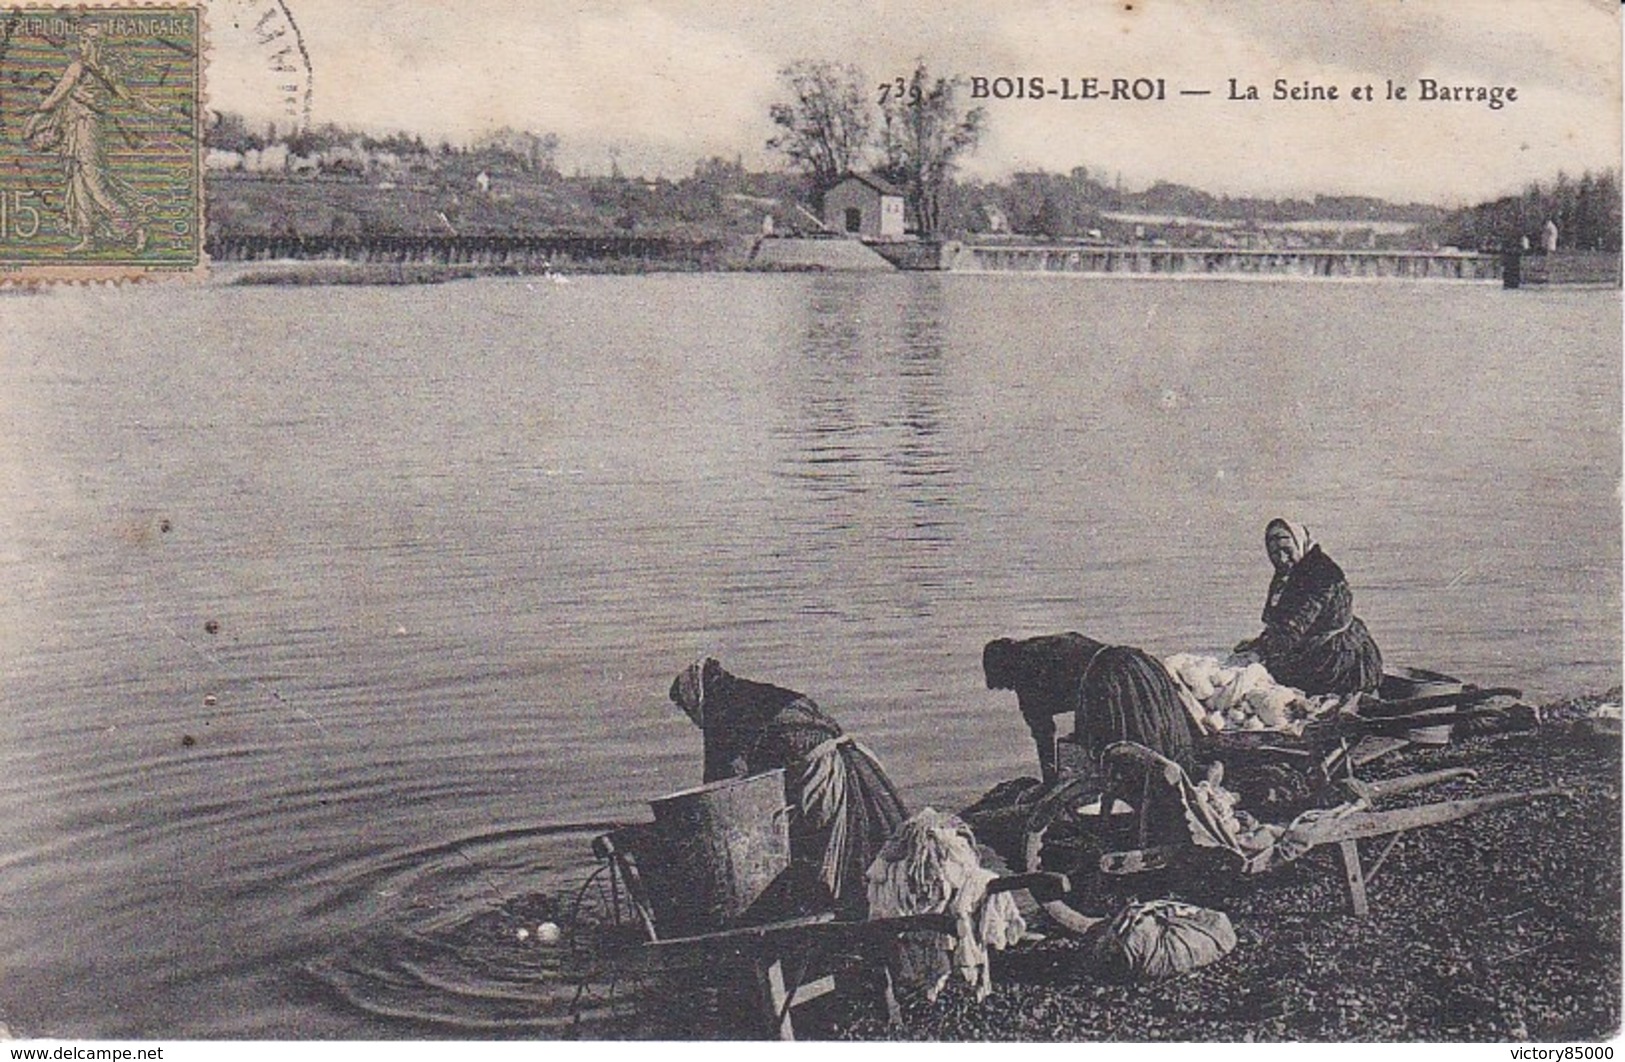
[100,141]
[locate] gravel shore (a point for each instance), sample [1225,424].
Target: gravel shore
[1501,927]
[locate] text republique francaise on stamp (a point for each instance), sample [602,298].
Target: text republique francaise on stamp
[100,156]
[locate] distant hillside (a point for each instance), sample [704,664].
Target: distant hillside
[1077,205]
[257,204]
[721,201]
[331,181]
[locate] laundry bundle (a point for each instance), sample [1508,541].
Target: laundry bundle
[1161,939]
[1240,694]
[930,866]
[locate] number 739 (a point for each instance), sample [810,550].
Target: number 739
[898,88]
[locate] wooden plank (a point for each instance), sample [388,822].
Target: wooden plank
[811,926]
[1353,876]
[781,995]
[1371,871]
[1378,709]
[1408,783]
[748,933]
[1042,884]
[1376,823]
[1371,748]
[775,999]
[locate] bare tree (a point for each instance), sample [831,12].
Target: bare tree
[923,136]
[825,130]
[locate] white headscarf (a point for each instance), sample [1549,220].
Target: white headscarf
[1302,541]
[689,690]
[1299,535]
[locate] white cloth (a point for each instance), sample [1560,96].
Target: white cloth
[930,866]
[1240,694]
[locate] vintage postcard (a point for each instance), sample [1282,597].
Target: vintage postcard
[956,522]
[100,158]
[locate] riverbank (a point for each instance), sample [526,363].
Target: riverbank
[393,274]
[1504,927]
[377,274]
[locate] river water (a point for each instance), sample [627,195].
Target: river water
[330,613]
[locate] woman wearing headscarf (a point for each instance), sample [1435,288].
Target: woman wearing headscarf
[843,807]
[1312,639]
[1115,692]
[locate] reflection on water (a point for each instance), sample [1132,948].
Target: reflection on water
[336,617]
[869,435]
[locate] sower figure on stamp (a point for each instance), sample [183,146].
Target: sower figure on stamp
[70,120]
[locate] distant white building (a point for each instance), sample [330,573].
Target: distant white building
[219,161]
[273,158]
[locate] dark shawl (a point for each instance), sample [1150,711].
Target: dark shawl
[1312,639]
[1045,673]
[1116,693]
[751,727]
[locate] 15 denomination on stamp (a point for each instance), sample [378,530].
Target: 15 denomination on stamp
[100,159]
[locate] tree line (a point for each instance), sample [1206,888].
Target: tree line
[911,131]
[1586,213]
[914,132]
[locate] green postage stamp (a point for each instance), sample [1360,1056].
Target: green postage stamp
[100,157]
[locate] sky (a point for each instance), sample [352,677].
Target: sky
[661,84]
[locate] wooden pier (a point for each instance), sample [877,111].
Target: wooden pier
[1214,261]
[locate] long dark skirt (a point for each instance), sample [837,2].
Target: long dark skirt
[1128,695]
[1347,662]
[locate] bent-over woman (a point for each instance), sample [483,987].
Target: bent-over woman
[843,807]
[1312,639]
[1115,692]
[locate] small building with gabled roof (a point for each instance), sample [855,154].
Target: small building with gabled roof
[864,206]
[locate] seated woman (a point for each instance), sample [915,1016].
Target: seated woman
[843,807]
[1116,693]
[1312,639]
